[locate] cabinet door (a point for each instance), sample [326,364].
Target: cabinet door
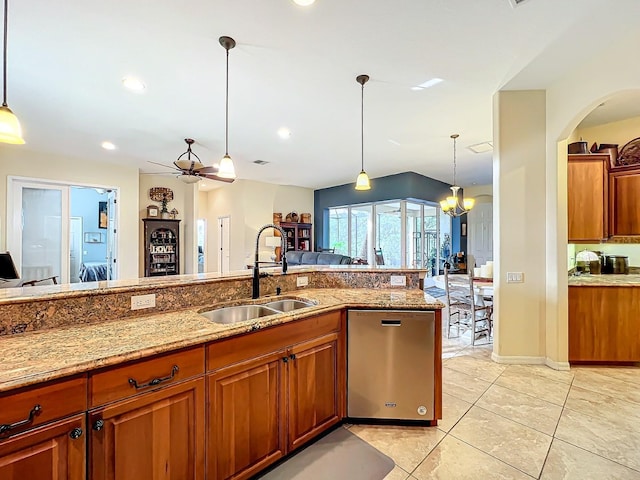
[625,202]
[158,435]
[245,428]
[52,452]
[587,198]
[313,388]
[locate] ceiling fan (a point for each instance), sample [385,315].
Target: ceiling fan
[191,169]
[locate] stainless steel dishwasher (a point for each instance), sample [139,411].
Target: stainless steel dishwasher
[390,365]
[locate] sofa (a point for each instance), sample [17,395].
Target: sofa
[316,258]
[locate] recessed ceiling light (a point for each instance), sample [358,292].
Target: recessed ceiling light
[481,147]
[394,142]
[134,84]
[284,132]
[303,3]
[108,146]
[427,84]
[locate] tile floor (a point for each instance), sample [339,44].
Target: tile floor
[520,422]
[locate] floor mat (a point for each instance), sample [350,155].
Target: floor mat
[435,292]
[339,455]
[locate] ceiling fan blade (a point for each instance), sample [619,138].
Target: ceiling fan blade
[211,176]
[211,170]
[162,165]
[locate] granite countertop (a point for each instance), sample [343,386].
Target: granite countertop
[607,280]
[34,357]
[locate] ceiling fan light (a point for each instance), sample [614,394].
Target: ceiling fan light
[362,182]
[469,203]
[227,170]
[190,178]
[185,164]
[10,130]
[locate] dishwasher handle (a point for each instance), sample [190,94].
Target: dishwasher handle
[391,323]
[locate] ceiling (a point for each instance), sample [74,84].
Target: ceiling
[293,67]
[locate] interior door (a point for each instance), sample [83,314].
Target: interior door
[75,248]
[112,234]
[225,240]
[39,233]
[481,233]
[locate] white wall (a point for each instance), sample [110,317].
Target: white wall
[250,205]
[18,160]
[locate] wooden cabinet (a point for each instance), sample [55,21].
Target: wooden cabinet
[624,200]
[588,198]
[52,452]
[312,383]
[274,396]
[604,324]
[298,235]
[156,436]
[161,247]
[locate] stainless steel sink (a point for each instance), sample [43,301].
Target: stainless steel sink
[239,313]
[288,304]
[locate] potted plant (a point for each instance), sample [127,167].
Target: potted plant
[164,212]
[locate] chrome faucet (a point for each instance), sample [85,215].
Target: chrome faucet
[256,268]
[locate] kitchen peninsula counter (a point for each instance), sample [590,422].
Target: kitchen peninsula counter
[39,356]
[605,280]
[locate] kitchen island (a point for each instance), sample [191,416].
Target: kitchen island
[128,396]
[604,326]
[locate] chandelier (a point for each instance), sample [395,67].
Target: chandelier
[451,205]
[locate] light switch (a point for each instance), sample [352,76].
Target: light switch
[515,277]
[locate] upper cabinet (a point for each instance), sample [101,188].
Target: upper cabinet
[624,200]
[588,197]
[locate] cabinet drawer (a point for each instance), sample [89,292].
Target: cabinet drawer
[28,407]
[236,349]
[145,375]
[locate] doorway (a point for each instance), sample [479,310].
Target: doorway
[59,229]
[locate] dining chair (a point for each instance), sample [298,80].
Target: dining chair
[462,308]
[378,256]
[9,272]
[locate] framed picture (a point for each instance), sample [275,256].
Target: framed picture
[93,237]
[103,219]
[152,211]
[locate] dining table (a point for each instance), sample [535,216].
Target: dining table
[482,287]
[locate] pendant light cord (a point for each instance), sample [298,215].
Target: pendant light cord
[4,56]
[454,158]
[226,115]
[362,125]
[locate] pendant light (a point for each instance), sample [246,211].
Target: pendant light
[10,131]
[227,170]
[362,182]
[451,206]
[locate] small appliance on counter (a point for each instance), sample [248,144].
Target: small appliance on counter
[616,264]
[589,262]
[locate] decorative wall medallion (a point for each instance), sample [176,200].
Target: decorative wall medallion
[157,194]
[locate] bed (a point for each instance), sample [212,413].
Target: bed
[93,271]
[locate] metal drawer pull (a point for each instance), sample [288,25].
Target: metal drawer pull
[10,426]
[292,356]
[98,425]
[391,323]
[155,381]
[76,433]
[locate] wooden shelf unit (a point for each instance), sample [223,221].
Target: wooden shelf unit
[298,236]
[161,247]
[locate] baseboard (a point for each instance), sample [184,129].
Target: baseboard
[522,360]
[563,366]
[517,360]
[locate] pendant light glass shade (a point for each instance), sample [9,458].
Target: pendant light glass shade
[362,182]
[451,205]
[227,169]
[10,131]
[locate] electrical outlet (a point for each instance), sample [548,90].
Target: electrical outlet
[139,302]
[515,277]
[398,281]
[302,281]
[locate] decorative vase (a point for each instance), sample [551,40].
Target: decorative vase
[165,215]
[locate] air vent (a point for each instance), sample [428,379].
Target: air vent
[516,3]
[260,162]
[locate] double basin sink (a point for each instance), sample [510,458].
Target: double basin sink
[243,313]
